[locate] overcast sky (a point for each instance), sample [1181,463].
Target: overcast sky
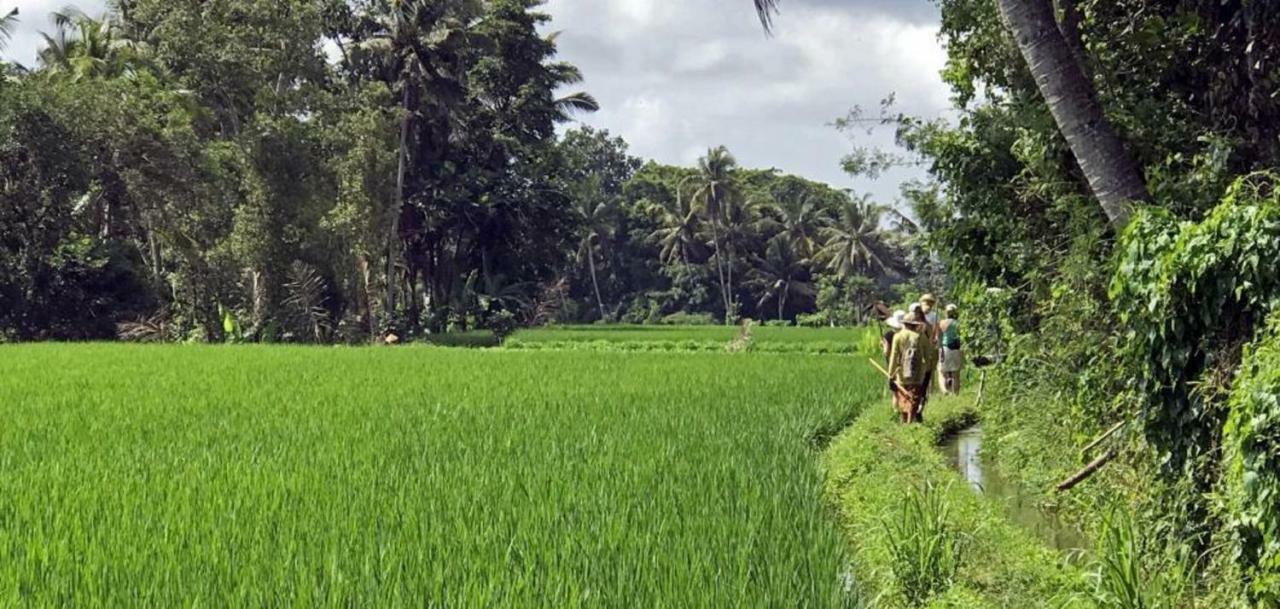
[676,77]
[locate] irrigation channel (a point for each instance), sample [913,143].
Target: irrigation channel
[964,452]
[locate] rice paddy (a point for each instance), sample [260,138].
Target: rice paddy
[253,476]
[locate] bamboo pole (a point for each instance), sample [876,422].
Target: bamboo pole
[1088,470]
[879,367]
[1100,439]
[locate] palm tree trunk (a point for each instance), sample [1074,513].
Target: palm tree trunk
[393,237]
[724,289]
[591,264]
[733,305]
[1113,174]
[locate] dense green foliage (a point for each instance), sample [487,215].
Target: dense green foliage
[1251,438]
[1149,330]
[254,476]
[208,171]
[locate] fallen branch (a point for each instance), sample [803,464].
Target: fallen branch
[1102,438]
[1088,470]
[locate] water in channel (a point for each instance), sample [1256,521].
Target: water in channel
[964,453]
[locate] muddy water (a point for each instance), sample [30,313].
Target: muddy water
[964,452]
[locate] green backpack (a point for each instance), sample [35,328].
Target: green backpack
[913,361]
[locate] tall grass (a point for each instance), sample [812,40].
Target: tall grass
[1134,572]
[925,546]
[163,476]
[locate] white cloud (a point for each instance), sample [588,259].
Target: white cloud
[708,75]
[676,77]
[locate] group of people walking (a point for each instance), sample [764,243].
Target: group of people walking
[921,348]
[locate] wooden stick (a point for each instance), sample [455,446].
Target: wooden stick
[1101,438]
[879,367]
[1088,470]
[982,383]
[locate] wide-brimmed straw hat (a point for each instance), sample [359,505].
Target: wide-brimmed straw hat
[928,299]
[895,321]
[914,319]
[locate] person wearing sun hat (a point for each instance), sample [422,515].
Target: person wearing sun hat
[895,324]
[909,367]
[952,363]
[929,332]
[929,305]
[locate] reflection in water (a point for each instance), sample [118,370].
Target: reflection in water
[967,459]
[964,452]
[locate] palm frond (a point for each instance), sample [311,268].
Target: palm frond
[766,9]
[577,102]
[68,16]
[7,24]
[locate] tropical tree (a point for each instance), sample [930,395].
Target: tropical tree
[1112,172]
[84,47]
[679,236]
[596,213]
[797,214]
[781,275]
[713,188]
[855,244]
[417,46]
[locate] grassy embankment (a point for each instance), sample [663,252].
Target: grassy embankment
[920,535]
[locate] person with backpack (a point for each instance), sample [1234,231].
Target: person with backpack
[909,366]
[952,351]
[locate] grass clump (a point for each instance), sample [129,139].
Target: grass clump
[925,547]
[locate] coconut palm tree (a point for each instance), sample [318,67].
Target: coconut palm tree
[781,275]
[1113,173]
[567,74]
[713,188]
[419,46]
[798,216]
[855,244]
[84,47]
[596,214]
[678,237]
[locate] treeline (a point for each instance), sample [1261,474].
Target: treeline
[1152,312]
[324,171]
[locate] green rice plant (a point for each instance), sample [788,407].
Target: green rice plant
[1132,574]
[924,545]
[416,476]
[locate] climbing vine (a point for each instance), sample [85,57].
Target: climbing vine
[1251,482]
[1190,296]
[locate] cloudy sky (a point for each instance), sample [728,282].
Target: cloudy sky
[675,77]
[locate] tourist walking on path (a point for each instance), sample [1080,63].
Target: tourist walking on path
[929,306]
[909,367]
[952,351]
[895,325]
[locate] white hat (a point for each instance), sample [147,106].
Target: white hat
[951,308]
[895,322]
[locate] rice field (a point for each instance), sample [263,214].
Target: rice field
[251,476]
[626,333]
